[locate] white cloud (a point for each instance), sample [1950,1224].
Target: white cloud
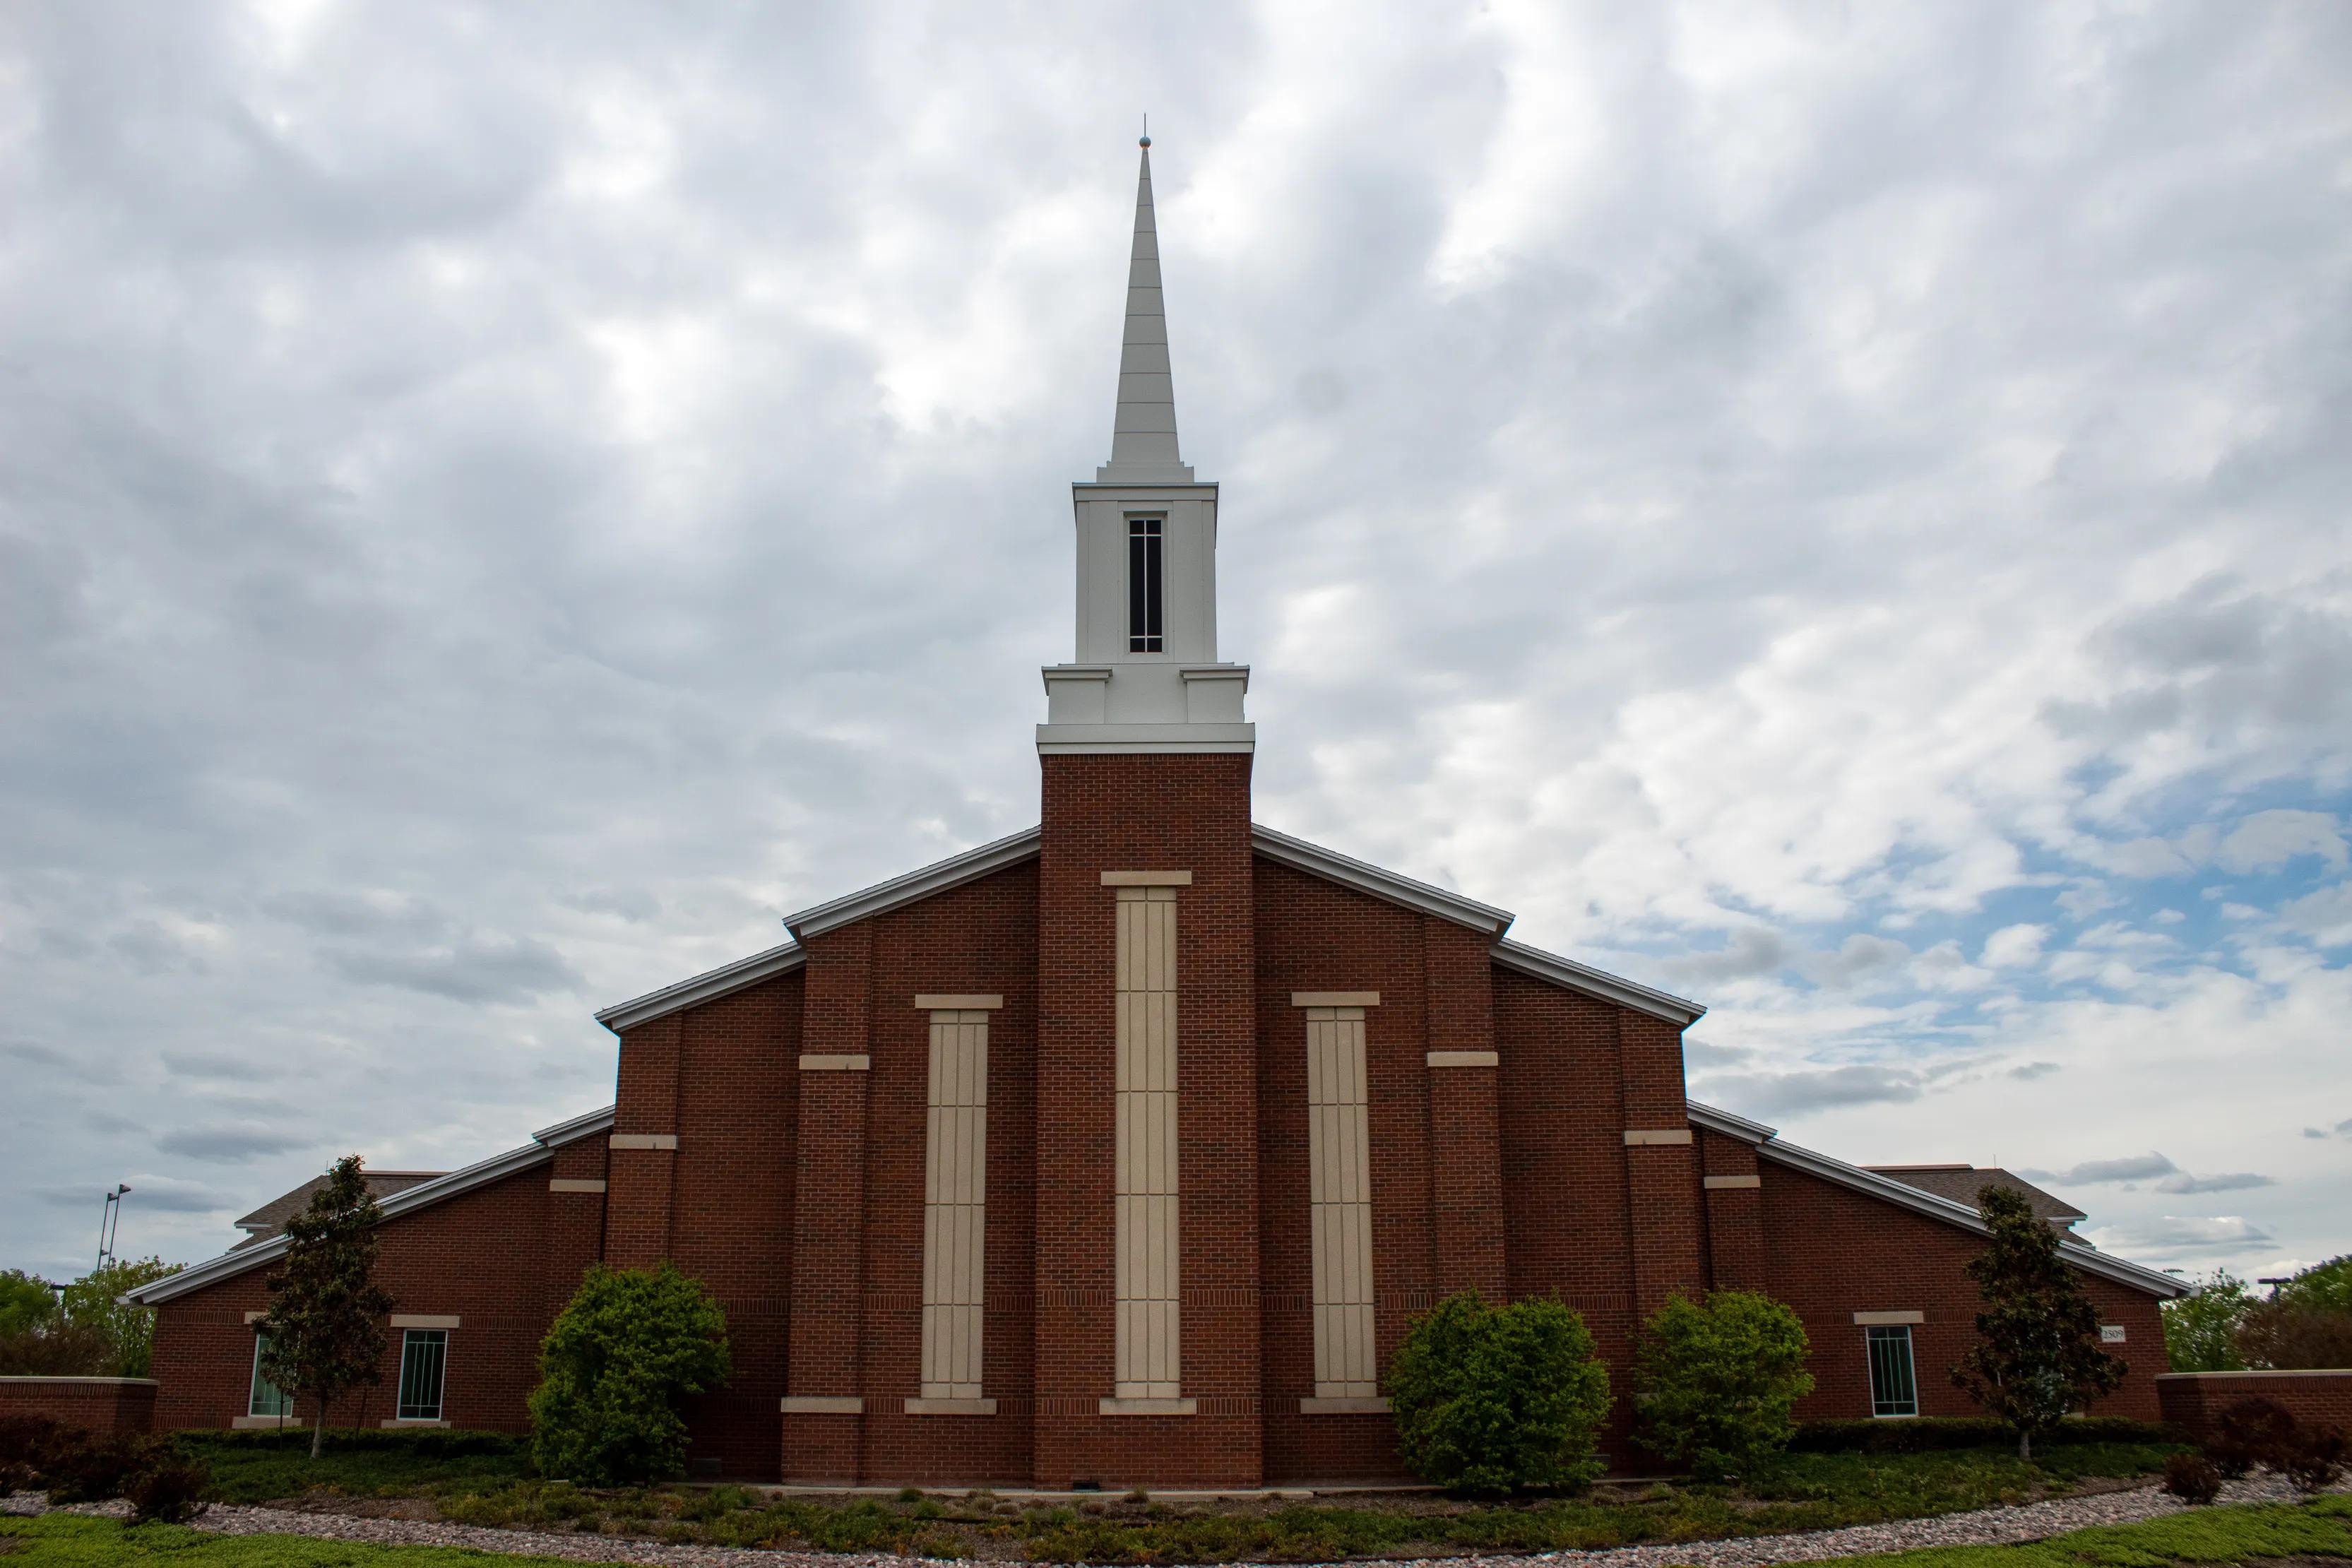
[2272,838]
[2015,946]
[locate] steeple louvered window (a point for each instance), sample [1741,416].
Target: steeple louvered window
[1146,631]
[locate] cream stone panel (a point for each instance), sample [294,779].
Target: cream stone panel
[1145,1354]
[955,1204]
[1339,1198]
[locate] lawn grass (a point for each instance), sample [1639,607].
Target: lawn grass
[2245,1533]
[263,1467]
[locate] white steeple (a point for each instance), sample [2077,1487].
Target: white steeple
[1146,678]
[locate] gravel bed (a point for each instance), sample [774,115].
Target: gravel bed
[1983,1526]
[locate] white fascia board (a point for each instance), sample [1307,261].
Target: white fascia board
[579,1127]
[2081,1254]
[425,1195]
[1716,1120]
[937,878]
[702,987]
[1334,867]
[1677,1010]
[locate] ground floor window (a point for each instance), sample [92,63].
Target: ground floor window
[267,1398]
[1894,1391]
[423,1358]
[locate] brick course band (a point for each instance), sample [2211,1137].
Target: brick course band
[1375,1405]
[1146,1407]
[951,1406]
[822,1404]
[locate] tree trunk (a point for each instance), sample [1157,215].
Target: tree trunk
[318,1428]
[2025,1443]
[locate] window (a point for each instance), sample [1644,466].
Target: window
[1145,1359]
[1893,1389]
[424,1357]
[268,1398]
[1144,632]
[955,1205]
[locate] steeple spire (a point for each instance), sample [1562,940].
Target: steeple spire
[1143,433]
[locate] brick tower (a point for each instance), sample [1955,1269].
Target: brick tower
[1147,1325]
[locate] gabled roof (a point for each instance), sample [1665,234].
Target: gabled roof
[1334,867]
[1962,1183]
[2073,1248]
[423,1195]
[702,987]
[266,1220]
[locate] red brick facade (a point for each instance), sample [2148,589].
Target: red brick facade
[770,1138]
[2320,1399]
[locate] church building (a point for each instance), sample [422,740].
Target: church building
[1122,1150]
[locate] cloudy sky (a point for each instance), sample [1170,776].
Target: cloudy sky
[1832,510]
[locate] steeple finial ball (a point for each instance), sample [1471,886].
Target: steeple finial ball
[1144,142]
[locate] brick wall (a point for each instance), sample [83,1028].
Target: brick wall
[2193,1399]
[501,1257]
[92,1404]
[1831,1252]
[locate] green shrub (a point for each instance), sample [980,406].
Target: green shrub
[167,1488]
[2192,1478]
[626,1348]
[1715,1382]
[1495,1399]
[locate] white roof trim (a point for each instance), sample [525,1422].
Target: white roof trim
[2079,1253]
[425,1195]
[1334,867]
[702,987]
[1632,994]
[579,1127]
[936,877]
[1724,1121]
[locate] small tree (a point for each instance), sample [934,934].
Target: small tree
[325,1319]
[628,1346]
[2037,1355]
[26,1302]
[1494,1399]
[1714,1383]
[2200,1329]
[95,1301]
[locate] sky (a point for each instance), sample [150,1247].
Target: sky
[1826,509]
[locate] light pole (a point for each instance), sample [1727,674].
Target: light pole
[109,1221]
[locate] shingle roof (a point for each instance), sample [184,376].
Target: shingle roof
[270,1217]
[1962,1183]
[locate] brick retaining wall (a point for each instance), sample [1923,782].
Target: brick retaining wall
[97,1404]
[2192,1399]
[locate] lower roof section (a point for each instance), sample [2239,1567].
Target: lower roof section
[1768,1146]
[425,1195]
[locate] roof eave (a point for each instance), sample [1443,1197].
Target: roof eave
[936,877]
[704,987]
[1348,871]
[1677,1010]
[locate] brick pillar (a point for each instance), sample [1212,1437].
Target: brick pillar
[823,1423]
[1466,1147]
[1661,1166]
[1131,812]
[578,1187]
[1735,1214]
[644,1145]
